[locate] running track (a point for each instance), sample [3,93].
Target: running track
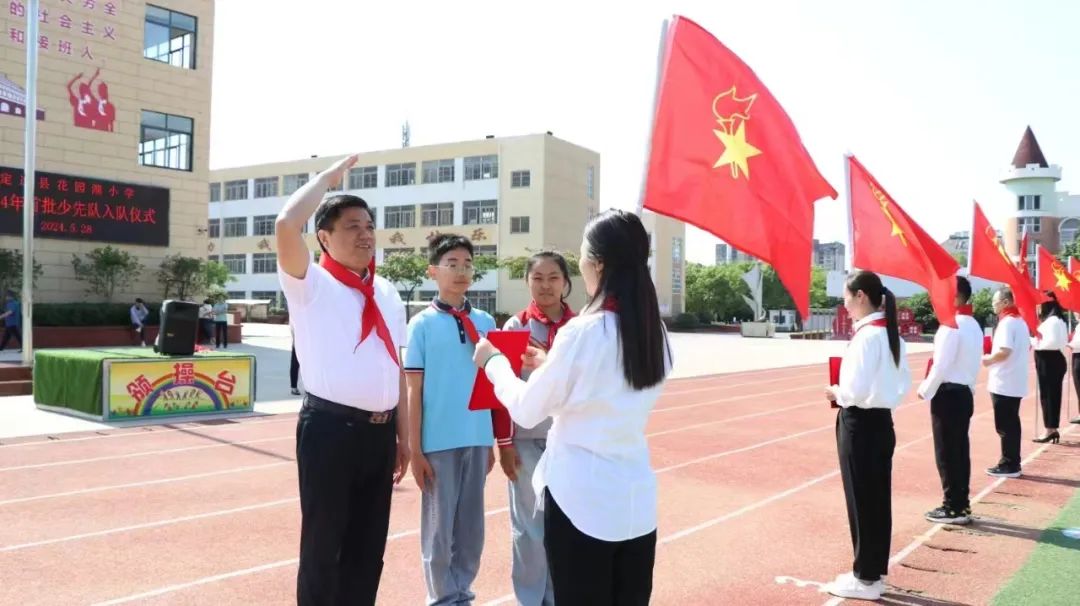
[751,507]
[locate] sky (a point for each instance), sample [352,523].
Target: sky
[931,96]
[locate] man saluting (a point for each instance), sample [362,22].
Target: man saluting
[351,445]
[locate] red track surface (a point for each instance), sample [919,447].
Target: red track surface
[750,502]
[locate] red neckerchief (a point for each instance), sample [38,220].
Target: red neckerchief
[533,312]
[371,317]
[462,317]
[880,322]
[966,310]
[610,304]
[1010,311]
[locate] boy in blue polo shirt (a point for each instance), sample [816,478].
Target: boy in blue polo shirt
[452,446]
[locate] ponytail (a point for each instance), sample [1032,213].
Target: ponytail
[892,328]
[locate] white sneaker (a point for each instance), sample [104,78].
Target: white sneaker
[847,586]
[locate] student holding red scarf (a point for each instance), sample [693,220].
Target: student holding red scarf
[874,377]
[548,277]
[598,383]
[351,442]
[1008,364]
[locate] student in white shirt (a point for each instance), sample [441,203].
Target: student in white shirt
[1050,365]
[874,377]
[950,387]
[351,434]
[1074,345]
[599,382]
[1008,364]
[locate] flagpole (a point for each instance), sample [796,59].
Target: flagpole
[29,158]
[847,205]
[652,116]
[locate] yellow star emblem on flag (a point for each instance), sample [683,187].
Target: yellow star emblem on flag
[883,202]
[732,113]
[1061,277]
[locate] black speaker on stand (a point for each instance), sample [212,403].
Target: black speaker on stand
[179,327]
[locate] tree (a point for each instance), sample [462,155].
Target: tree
[11,270]
[106,269]
[919,304]
[961,258]
[516,265]
[1072,249]
[482,264]
[188,276]
[407,270]
[983,309]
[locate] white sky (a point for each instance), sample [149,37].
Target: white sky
[932,96]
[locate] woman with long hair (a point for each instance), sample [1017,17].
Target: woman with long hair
[598,383]
[874,377]
[1050,365]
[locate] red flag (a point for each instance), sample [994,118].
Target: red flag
[725,157]
[988,260]
[1074,267]
[887,241]
[1054,277]
[1021,263]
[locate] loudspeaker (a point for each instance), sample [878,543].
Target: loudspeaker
[179,327]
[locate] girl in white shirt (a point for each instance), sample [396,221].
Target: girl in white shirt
[874,377]
[599,382]
[1074,345]
[1050,366]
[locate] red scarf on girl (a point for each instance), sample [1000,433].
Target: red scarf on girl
[966,310]
[533,312]
[371,318]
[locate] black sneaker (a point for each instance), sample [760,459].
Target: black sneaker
[1004,471]
[944,515]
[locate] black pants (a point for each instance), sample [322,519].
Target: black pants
[865,440]
[1050,368]
[1007,423]
[346,472]
[222,334]
[950,416]
[10,331]
[590,572]
[140,333]
[207,328]
[294,369]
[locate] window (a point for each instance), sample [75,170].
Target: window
[294,182]
[400,174]
[213,228]
[519,225]
[520,178]
[340,186]
[165,141]
[169,37]
[1069,229]
[214,258]
[237,264]
[483,299]
[438,171]
[488,250]
[1028,224]
[391,252]
[236,294]
[364,177]
[236,190]
[263,263]
[398,217]
[590,182]
[266,187]
[264,225]
[481,167]
[215,192]
[481,212]
[1029,202]
[427,295]
[265,295]
[440,213]
[235,227]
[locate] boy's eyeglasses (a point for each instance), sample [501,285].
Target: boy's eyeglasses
[461,270]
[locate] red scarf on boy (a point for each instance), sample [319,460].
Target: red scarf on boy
[371,318]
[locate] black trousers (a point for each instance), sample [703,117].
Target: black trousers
[11,331]
[1007,423]
[294,369]
[1076,375]
[1050,368]
[221,334]
[346,472]
[865,440]
[589,572]
[950,417]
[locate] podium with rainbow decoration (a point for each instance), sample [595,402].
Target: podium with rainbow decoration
[127,384]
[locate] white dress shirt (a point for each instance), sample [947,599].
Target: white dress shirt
[596,464]
[957,356]
[1009,377]
[1074,343]
[1054,335]
[325,317]
[869,378]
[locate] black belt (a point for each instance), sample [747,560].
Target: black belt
[955,386]
[314,402]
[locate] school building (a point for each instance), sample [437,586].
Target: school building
[123,125]
[511,196]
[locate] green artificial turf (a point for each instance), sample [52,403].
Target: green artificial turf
[1049,577]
